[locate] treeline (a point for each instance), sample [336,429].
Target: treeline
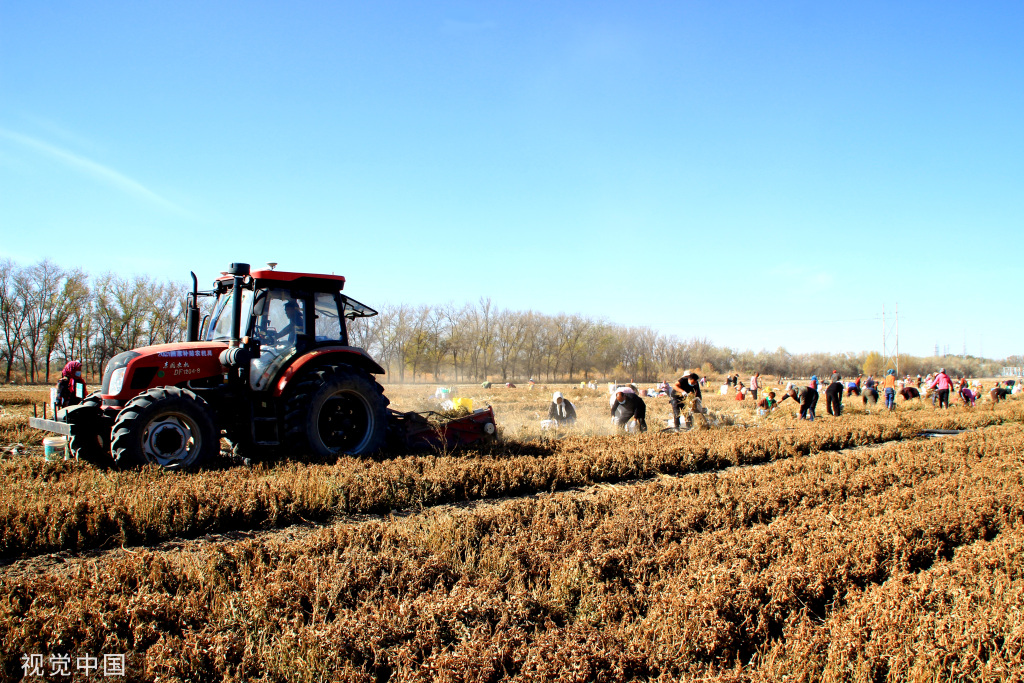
[49,315]
[473,342]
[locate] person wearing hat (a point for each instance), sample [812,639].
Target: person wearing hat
[942,384]
[834,396]
[561,411]
[889,389]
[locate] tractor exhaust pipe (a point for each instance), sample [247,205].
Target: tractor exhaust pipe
[192,310]
[237,271]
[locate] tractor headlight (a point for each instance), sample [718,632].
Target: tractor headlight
[116,381]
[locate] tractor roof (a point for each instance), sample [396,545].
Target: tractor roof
[308,281]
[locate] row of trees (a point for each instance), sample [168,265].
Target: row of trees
[49,315]
[476,342]
[473,342]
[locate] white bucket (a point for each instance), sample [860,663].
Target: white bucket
[53,447]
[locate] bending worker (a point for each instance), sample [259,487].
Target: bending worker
[806,397]
[71,387]
[834,396]
[627,406]
[909,393]
[561,411]
[687,384]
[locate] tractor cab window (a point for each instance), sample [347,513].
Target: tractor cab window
[329,325]
[353,309]
[220,320]
[280,318]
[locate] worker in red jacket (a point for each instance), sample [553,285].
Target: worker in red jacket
[71,387]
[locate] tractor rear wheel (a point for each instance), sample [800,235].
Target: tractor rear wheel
[336,410]
[89,438]
[165,426]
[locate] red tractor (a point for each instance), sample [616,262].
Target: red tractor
[273,368]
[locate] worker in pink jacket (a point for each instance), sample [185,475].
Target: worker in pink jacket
[942,384]
[755,384]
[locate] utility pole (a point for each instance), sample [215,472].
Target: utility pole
[891,342]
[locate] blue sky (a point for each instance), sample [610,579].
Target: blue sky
[761,174]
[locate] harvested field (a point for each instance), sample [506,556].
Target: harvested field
[854,551]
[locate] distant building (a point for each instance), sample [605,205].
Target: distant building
[1013,372]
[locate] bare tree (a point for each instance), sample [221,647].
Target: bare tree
[457,333]
[509,334]
[120,310]
[38,290]
[573,330]
[165,313]
[73,296]
[79,328]
[396,337]
[12,313]
[481,322]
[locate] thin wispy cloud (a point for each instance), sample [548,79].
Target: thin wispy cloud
[93,169]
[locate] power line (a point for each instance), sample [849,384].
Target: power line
[803,321]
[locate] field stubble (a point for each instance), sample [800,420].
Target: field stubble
[891,563]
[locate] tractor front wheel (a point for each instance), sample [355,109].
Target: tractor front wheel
[89,438]
[165,426]
[336,411]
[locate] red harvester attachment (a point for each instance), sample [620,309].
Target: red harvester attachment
[417,431]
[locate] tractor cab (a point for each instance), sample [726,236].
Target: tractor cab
[282,315]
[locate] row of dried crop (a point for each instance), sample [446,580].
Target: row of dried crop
[830,567]
[48,507]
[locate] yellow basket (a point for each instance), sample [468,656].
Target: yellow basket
[466,403]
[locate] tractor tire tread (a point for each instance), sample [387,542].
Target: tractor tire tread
[297,406]
[121,442]
[85,429]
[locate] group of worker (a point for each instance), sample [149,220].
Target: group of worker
[940,384]
[685,396]
[807,396]
[627,404]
